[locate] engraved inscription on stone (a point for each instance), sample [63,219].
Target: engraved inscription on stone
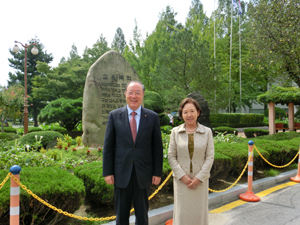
[103,92]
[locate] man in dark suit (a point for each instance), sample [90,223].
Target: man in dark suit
[132,155]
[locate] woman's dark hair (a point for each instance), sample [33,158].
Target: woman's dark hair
[189,100]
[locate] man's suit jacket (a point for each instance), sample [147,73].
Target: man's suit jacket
[120,153]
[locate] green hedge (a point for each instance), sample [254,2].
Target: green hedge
[227,130]
[97,191]
[34,129]
[50,185]
[48,136]
[255,132]
[8,136]
[236,119]
[10,130]
[278,152]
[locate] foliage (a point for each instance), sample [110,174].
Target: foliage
[67,112]
[275,32]
[226,130]
[279,113]
[228,138]
[50,185]
[255,132]
[48,136]
[281,136]
[153,101]
[90,55]
[10,130]
[236,119]
[65,81]
[17,63]
[271,173]
[282,95]
[164,119]
[53,127]
[8,136]
[11,101]
[166,129]
[34,129]
[97,191]
[119,42]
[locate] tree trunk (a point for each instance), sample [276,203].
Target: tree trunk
[2,126]
[35,115]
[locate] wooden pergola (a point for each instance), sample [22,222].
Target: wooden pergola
[281,95]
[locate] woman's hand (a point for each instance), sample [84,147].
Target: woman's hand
[195,182]
[186,179]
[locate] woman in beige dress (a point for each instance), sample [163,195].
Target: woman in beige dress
[191,155]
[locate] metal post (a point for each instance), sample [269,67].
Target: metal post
[25,97]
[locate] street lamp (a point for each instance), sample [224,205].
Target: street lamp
[34,51]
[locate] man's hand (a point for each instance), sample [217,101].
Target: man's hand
[110,179]
[156,180]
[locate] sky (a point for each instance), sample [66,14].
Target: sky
[60,24]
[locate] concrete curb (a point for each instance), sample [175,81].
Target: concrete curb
[161,215]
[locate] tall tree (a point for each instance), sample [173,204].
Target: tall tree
[11,101]
[65,81]
[90,55]
[276,28]
[184,62]
[119,42]
[17,62]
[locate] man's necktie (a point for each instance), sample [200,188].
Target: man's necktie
[133,125]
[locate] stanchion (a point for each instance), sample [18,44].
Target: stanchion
[14,196]
[249,196]
[297,177]
[169,222]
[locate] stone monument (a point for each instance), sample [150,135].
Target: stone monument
[204,118]
[103,92]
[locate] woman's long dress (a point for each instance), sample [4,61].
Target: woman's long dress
[190,205]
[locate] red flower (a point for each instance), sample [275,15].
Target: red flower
[74,149]
[88,152]
[66,148]
[99,149]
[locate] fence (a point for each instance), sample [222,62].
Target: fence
[16,184]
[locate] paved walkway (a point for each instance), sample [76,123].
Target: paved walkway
[279,204]
[281,207]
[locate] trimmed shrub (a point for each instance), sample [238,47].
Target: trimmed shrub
[8,136]
[220,168]
[236,119]
[48,136]
[97,190]
[58,129]
[164,119]
[282,136]
[153,101]
[227,130]
[34,129]
[255,132]
[10,130]
[50,185]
